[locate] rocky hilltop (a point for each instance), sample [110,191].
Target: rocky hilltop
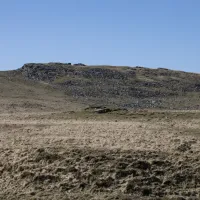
[130,87]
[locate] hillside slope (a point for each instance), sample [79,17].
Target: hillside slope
[20,95]
[129,87]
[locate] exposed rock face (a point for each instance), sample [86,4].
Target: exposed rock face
[44,72]
[50,71]
[125,86]
[101,73]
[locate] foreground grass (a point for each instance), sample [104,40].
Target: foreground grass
[84,155]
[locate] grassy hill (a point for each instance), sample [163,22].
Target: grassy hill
[128,87]
[20,95]
[58,86]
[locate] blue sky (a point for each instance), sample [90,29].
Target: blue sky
[150,33]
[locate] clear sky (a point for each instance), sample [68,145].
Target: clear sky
[150,33]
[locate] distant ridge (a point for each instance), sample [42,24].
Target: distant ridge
[129,87]
[125,87]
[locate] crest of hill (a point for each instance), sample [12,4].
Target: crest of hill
[50,71]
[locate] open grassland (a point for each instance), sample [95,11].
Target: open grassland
[83,155]
[52,148]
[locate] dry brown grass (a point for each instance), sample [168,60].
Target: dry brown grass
[63,156]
